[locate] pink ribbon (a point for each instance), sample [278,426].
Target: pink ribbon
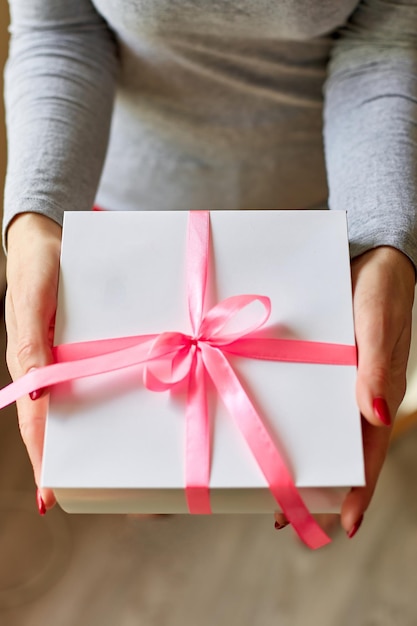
[191,357]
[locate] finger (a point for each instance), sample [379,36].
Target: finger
[31,414]
[381,376]
[32,429]
[280,521]
[375,442]
[329,522]
[24,355]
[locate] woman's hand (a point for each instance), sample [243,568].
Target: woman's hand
[383,281]
[34,243]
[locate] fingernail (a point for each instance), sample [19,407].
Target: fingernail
[35,395]
[352,532]
[279,526]
[40,503]
[381,410]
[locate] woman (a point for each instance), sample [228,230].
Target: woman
[217,105]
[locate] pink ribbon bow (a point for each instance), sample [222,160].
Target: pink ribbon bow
[190,357]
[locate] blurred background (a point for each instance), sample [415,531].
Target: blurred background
[177,571]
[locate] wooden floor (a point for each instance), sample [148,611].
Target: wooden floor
[65,570]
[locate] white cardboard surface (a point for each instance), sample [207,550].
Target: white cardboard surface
[112,445]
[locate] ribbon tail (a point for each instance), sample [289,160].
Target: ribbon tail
[66,371]
[197,443]
[293,351]
[263,448]
[86,349]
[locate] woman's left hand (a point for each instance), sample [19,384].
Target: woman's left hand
[383,281]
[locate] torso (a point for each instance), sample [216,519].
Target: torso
[219,103]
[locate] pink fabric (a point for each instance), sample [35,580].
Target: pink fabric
[192,357]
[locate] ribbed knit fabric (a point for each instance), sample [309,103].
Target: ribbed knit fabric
[216,105]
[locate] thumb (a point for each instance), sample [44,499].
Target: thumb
[374,389]
[29,348]
[383,341]
[377,405]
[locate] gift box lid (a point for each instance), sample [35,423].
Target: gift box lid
[123,273]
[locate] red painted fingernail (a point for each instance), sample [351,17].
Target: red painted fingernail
[279,526]
[40,503]
[352,532]
[381,410]
[35,395]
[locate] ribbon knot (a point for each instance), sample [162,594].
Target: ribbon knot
[171,357]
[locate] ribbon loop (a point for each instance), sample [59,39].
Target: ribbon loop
[216,320]
[166,369]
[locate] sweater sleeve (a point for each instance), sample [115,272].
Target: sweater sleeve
[59,90]
[370,126]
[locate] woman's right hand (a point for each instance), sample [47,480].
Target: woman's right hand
[33,244]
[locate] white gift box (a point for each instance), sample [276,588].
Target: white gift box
[111,445]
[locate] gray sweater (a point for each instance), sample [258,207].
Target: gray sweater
[216,104]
